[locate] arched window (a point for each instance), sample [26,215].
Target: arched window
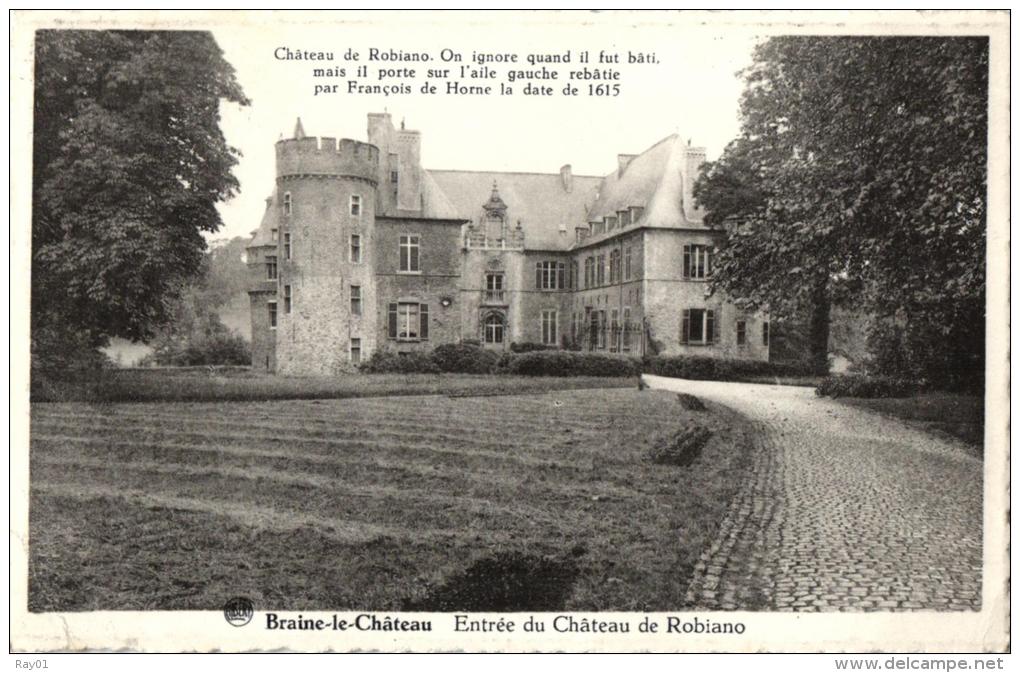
[493,329]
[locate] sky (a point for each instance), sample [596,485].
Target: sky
[693,90]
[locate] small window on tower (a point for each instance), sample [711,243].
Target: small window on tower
[287,203]
[355,300]
[355,351]
[394,177]
[355,205]
[356,248]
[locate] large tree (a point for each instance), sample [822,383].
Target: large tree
[129,163]
[859,178]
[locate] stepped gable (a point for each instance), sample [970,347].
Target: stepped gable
[541,201]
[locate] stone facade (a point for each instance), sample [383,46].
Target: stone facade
[362,249]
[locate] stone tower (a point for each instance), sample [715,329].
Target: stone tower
[326,195]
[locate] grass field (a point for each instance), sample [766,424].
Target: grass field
[240,384]
[960,416]
[522,502]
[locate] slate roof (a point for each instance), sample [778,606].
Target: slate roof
[538,200]
[264,234]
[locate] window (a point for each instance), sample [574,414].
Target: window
[601,326]
[550,275]
[697,262]
[610,222]
[614,326]
[614,267]
[600,270]
[409,254]
[589,272]
[635,213]
[355,351]
[394,177]
[626,328]
[494,288]
[698,326]
[271,268]
[356,248]
[287,204]
[272,314]
[286,299]
[765,333]
[624,216]
[286,246]
[626,263]
[408,322]
[574,280]
[741,332]
[550,331]
[275,234]
[493,329]
[355,205]
[355,300]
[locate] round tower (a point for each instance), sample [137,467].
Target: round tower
[327,199]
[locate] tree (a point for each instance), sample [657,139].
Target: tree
[859,178]
[129,163]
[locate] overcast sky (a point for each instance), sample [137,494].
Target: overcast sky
[694,91]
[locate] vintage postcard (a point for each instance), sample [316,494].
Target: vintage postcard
[510,331]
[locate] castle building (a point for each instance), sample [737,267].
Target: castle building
[361,248]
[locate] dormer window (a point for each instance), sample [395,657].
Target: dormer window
[611,222]
[624,217]
[635,213]
[287,204]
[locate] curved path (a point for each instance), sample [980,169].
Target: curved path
[844,510]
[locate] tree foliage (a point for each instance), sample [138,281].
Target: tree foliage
[129,163]
[859,178]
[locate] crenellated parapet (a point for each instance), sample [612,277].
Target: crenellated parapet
[325,157]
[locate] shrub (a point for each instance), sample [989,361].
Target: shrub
[566,363]
[716,369]
[682,447]
[857,385]
[529,347]
[690,402]
[464,358]
[388,362]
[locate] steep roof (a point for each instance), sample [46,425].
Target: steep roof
[539,200]
[264,234]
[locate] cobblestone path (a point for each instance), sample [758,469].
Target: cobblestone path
[845,510]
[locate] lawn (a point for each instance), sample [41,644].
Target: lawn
[959,416]
[238,384]
[519,502]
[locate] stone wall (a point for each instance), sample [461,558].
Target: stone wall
[437,283]
[667,294]
[314,338]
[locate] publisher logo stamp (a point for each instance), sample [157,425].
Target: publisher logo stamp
[238,611]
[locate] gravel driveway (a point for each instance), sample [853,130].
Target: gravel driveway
[845,510]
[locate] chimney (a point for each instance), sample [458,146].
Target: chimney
[694,157]
[567,177]
[622,161]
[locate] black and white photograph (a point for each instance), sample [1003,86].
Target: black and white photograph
[510,331]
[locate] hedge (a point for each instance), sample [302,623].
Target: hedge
[569,363]
[464,359]
[716,369]
[388,362]
[859,385]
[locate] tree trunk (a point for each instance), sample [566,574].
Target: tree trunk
[819,327]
